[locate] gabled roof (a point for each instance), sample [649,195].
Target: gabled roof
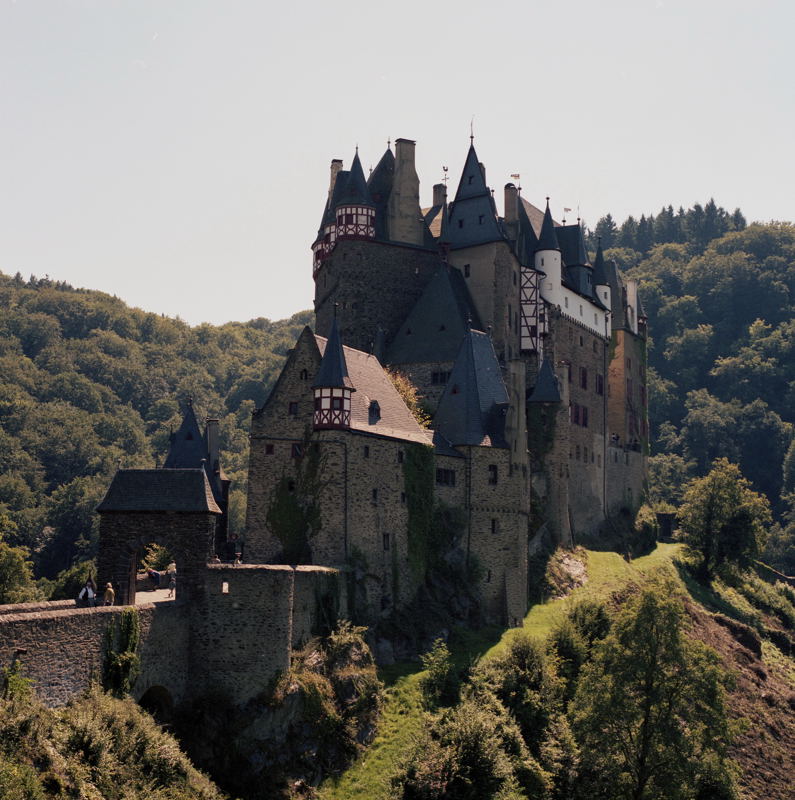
[434,328]
[187,449]
[355,191]
[329,217]
[546,389]
[472,215]
[333,372]
[472,408]
[547,240]
[159,490]
[373,384]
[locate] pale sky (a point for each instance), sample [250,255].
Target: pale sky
[176,152]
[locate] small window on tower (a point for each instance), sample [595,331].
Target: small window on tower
[375,495]
[304,375]
[470,179]
[292,409]
[268,449]
[480,219]
[460,223]
[367,451]
[400,456]
[467,268]
[386,540]
[494,526]
[297,450]
[492,474]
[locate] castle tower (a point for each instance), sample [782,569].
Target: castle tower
[332,387]
[548,260]
[355,210]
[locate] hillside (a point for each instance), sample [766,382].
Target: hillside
[761,677]
[87,383]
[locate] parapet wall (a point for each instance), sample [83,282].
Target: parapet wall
[63,646]
[235,636]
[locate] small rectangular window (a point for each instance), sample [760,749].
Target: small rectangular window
[403,497]
[297,450]
[224,588]
[386,540]
[600,384]
[492,474]
[466,270]
[375,495]
[367,451]
[445,477]
[292,409]
[494,526]
[400,456]
[268,449]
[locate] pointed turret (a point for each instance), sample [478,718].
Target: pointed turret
[186,447]
[332,386]
[473,215]
[600,280]
[379,184]
[355,210]
[548,260]
[548,240]
[327,233]
[578,272]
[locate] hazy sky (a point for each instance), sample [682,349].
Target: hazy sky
[176,152]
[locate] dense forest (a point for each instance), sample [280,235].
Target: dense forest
[88,384]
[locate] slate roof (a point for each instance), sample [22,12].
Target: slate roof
[436,324]
[159,490]
[355,191]
[187,447]
[472,215]
[472,408]
[333,370]
[572,245]
[379,184]
[534,214]
[371,382]
[527,241]
[329,217]
[599,271]
[547,239]
[546,389]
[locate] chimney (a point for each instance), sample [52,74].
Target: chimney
[439,194]
[405,224]
[213,445]
[511,203]
[336,166]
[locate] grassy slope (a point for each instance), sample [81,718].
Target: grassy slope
[368,778]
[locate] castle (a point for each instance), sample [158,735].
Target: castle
[529,359]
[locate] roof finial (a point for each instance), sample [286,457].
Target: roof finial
[444,180]
[389,143]
[472,130]
[336,306]
[357,148]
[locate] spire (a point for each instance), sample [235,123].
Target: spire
[548,240]
[472,183]
[187,449]
[599,271]
[333,372]
[355,191]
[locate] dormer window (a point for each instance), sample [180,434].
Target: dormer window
[304,375]
[460,223]
[374,412]
[470,179]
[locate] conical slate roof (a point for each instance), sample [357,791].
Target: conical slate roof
[546,389]
[472,408]
[355,192]
[548,240]
[333,372]
[528,241]
[379,185]
[572,245]
[187,449]
[599,271]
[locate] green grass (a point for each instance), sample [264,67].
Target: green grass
[403,717]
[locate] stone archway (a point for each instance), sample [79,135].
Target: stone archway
[158,702]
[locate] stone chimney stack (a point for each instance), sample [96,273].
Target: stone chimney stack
[336,166]
[439,194]
[405,224]
[213,444]
[511,203]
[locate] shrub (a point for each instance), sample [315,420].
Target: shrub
[438,684]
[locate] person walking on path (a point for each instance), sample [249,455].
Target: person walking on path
[110,595]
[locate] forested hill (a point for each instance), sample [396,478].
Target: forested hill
[721,355]
[87,383]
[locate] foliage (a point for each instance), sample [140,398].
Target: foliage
[408,392]
[418,484]
[650,708]
[294,512]
[68,584]
[121,662]
[723,519]
[16,575]
[87,383]
[438,684]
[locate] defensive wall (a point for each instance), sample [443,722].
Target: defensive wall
[234,635]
